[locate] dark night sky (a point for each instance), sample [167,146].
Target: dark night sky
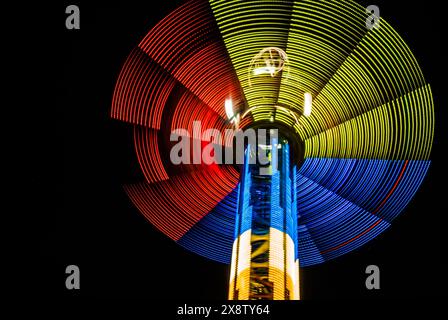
[90,222]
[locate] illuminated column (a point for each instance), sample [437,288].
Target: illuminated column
[264,258]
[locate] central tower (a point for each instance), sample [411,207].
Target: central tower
[265,262]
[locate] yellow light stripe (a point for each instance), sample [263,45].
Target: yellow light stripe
[348,69]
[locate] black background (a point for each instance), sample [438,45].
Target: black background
[83,158]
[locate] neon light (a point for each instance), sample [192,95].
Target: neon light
[371,112]
[228,105]
[264,70]
[307,104]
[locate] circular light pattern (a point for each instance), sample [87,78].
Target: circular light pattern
[268,61]
[367,140]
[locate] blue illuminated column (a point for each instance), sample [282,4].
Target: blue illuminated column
[264,257]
